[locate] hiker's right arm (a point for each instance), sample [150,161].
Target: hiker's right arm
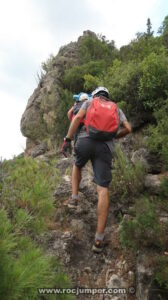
[126,129]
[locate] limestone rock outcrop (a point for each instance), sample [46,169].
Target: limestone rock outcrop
[38,119]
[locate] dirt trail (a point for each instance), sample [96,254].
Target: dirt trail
[73,237]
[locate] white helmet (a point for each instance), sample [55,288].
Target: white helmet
[99,90]
[83,97]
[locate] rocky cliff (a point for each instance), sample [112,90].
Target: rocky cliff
[38,120]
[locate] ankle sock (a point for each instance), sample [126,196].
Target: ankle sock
[75,197]
[99,236]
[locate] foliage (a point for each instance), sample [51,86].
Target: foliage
[141,47]
[27,192]
[124,106]
[96,48]
[136,75]
[127,178]
[74,77]
[142,85]
[153,82]
[144,230]
[163,191]
[158,137]
[164,32]
[122,81]
[46,66]
[64,104]
[161,275]
[24,267]
[149,28]
[91,82]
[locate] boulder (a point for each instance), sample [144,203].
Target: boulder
[141,156]
[153,182]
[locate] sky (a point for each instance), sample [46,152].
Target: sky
[31,30]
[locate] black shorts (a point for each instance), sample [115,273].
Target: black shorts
[99,154]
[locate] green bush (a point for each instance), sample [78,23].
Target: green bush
[141,47]
[163,191]
[27,192]
[127,179]
[161,275]
[96,48]
[122,80]
[158,137]
[144,230]
[46,66]
[153,88]
[24,267]
[62,122]
[74,78]
[91,82]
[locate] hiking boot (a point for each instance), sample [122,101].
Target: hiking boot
[71,203]
[100,245]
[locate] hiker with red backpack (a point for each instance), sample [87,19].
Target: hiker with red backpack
[104,122]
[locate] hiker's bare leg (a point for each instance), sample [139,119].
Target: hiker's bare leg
[76,178]
[102,208]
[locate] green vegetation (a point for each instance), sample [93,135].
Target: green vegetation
[144,230]
[24,267]
[158,137]
[161,275]
[26,202]
[62,122]
[127,178]
[27,192]
[136,74]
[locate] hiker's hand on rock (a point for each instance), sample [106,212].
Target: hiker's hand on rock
[66,147]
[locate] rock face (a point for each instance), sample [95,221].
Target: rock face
[153,182]
[38,120]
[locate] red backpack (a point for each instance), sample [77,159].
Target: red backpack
[102,119]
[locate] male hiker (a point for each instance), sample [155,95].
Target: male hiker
[98,146]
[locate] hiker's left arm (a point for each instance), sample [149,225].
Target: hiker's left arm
[75,123]
[70,113]
[126,129]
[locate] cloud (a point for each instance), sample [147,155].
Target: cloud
[123,19]
[12,141]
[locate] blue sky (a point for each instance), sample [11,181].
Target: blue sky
[31,30]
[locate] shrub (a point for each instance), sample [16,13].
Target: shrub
[24,267]
[153,82]
[144,230]
[74,78]
[158,137]
[127,178]
[27,192]
[94,48]
[164,188]
[91,82]
[62,122]
[161,275]
[46,66]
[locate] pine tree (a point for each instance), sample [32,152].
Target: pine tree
[149,28]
